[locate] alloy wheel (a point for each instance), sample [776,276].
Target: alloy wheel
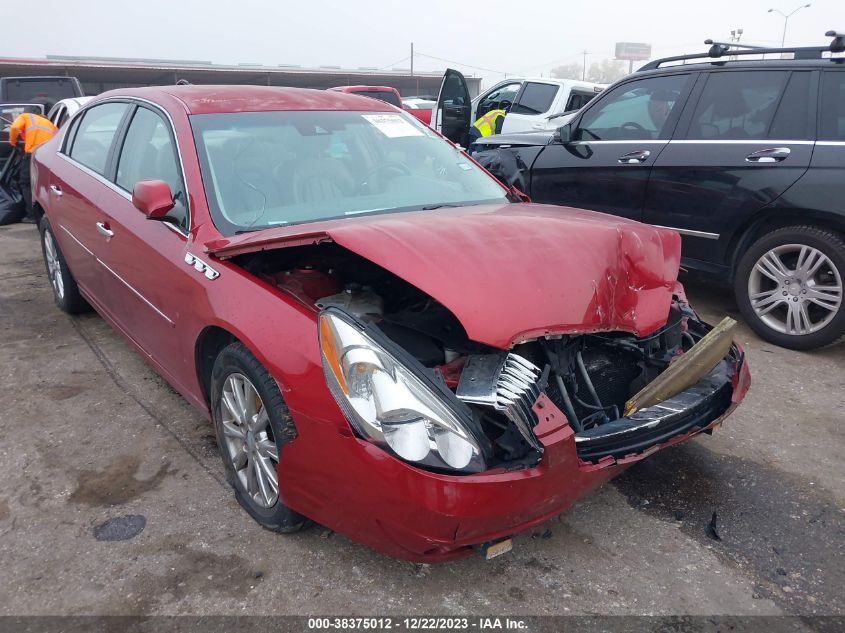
[54,266]
[249,440]
[795,289]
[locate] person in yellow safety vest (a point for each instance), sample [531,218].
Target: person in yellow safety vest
[33,130]
[487,125]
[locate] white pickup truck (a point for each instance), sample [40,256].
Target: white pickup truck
[533,103]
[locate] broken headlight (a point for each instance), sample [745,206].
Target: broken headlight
[388,403]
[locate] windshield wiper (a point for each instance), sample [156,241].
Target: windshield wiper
[432,207]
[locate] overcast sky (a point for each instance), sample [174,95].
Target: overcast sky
[526,37]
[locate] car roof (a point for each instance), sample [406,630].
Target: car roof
[363,87]
[222,99]
[550,80]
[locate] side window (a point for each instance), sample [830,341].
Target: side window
[645,109]
[501,97]
[94,135]
[832,124]
[148,154]
[536,98]
[792,119]
[737,105]
[578,100]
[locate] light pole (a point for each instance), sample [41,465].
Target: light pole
[786,20]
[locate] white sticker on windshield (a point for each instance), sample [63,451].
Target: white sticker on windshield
[393,125]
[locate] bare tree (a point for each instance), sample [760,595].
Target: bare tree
[567,71]
[606,71]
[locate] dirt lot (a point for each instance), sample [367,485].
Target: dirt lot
[89,433]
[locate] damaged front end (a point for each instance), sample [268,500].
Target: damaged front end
[408,377]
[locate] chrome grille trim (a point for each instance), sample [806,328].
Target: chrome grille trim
[505,382]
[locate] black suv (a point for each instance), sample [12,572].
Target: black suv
[744,158]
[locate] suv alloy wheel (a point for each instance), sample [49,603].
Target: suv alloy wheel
[789,287]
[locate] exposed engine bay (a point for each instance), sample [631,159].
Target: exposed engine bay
[589,377]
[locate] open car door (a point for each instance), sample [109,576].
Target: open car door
[8,113]
[453,111]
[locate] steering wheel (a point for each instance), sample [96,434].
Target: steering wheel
[632,125]
[377,176]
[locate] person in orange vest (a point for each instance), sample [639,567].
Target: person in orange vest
[32,130]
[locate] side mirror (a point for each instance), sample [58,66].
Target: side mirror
[563,134]
[153,198]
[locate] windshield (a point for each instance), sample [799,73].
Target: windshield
[23,90]
[11,111]
[264,169]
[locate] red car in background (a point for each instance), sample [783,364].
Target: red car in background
[387,340]
[388,95]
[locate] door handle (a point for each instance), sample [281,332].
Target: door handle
[103,228]
[634,158]
[56,190]
[770,155]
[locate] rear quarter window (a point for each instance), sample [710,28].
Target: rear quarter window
[832,124]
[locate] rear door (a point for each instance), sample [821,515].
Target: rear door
[532,105]
[453,110]
[77,185]
[613,144]
[747,139]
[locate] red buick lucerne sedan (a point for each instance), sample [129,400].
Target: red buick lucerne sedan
[388,341]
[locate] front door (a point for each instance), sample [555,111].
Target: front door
[747,139]
[150,283]
[604,165]
[453,111]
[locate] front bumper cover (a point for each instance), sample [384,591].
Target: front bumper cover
[422,516]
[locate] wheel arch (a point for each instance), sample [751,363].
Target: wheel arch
[772,220]
[210,342]
[37,212]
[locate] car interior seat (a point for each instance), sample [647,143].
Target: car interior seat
[318,177]
[729,114]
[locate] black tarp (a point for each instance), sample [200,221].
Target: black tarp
[12,207]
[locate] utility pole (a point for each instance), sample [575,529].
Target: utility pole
[412,59]
[786,17]
[584,72]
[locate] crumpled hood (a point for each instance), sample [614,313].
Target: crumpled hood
[509,272]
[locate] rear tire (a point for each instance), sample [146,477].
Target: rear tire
[253,425]
[65,291]
[789,287]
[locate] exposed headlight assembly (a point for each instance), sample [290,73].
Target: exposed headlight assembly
[389,404]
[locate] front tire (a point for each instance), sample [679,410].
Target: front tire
[65,291]
[789,287]
[253,425]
